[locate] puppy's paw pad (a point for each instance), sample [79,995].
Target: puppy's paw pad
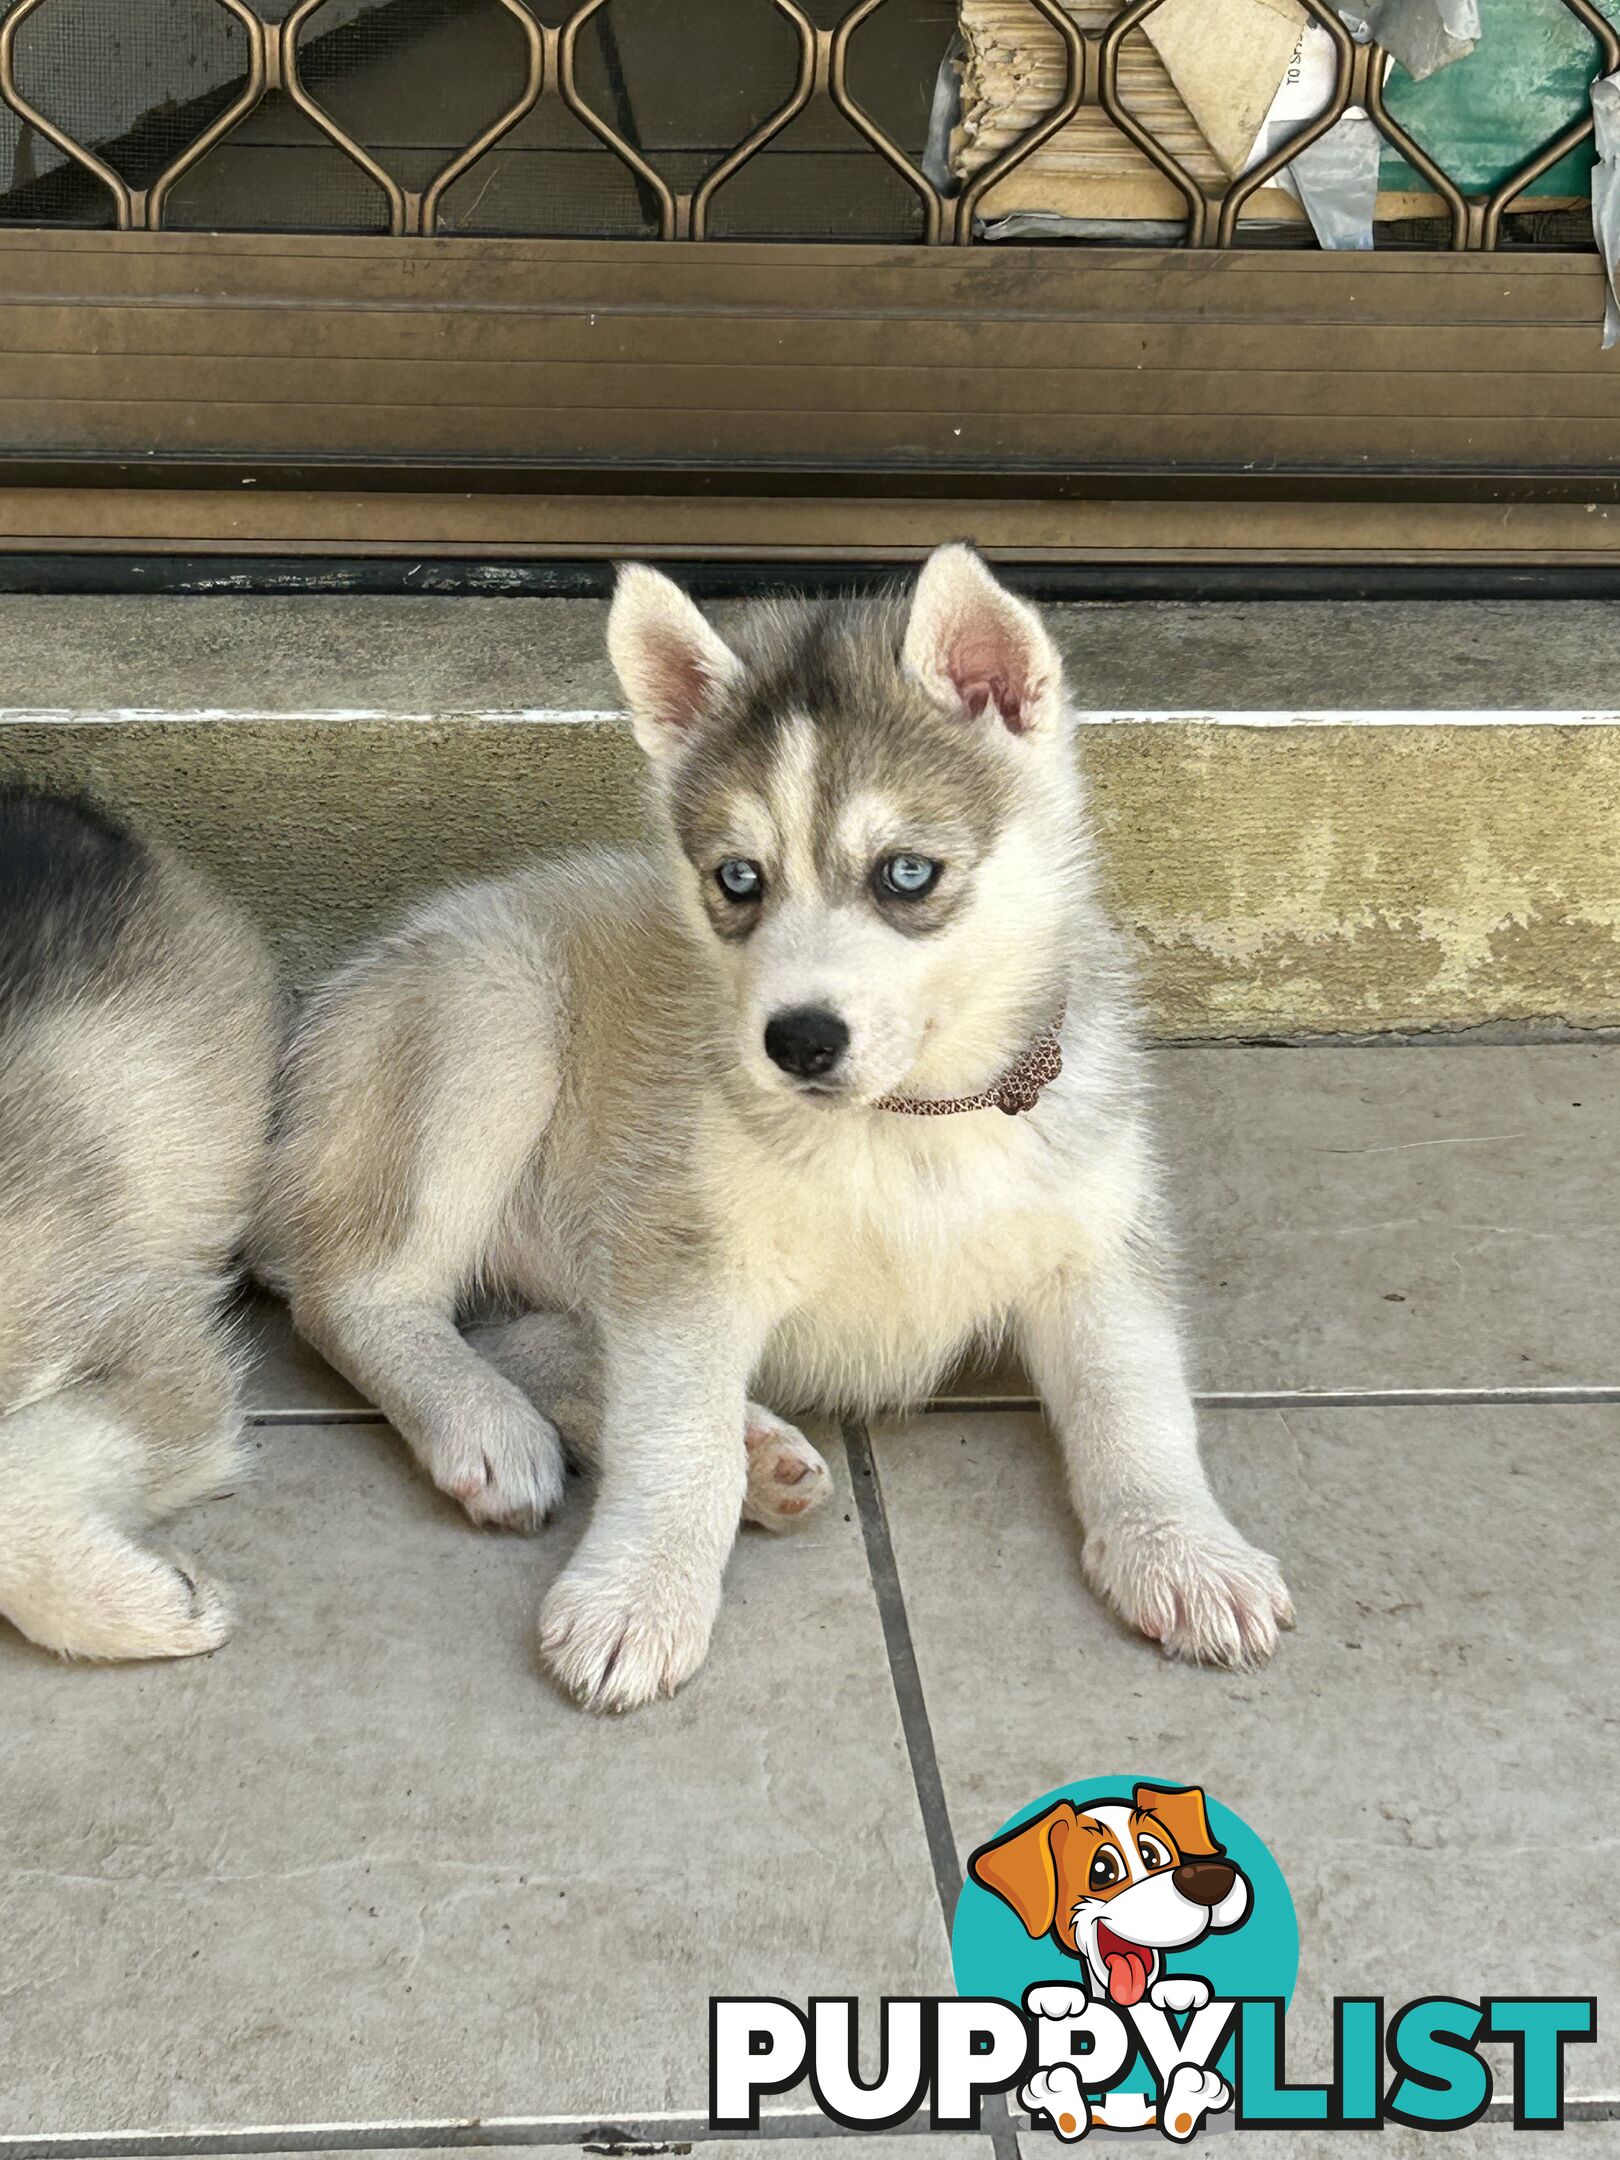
[1056,2096]
[1200,1591]
[1054,1999]
[787,1479]
[1191,2095]
[616,1641]
[1179,1992]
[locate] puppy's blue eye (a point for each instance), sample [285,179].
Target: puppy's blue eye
[740,880]
[909,876]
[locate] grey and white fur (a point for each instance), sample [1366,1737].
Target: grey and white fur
[639,1106]
[138,1022]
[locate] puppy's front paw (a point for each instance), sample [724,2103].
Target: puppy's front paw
[136,1606]
[1195,1588]
[503,1461]
[1191,2095]
[1056,2095]
[786,1477]
[618,1637]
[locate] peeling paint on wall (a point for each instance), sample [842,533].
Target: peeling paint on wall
[1346,880]
[1274,880]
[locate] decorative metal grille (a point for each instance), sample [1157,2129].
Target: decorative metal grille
[557,76]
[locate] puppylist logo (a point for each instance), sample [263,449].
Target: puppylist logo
[1125,1951]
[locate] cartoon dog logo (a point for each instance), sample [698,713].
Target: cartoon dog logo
[1118,1884]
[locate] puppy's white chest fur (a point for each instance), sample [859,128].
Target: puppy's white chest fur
[887,1254]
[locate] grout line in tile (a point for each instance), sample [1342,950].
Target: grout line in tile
[996,2120]
[648,2135]
[1550,1397]
[1214,1399]
[903,1669]
[1217,1399]
[1600,2107]
[644,2134]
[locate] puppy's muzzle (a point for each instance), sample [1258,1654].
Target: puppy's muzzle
[1204,1882]
[806,1042]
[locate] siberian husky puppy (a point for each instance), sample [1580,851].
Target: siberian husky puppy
[138,1021]
[775,1105]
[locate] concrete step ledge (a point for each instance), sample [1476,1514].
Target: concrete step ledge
[1315,818]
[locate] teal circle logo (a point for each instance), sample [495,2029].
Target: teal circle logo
[1122,1886]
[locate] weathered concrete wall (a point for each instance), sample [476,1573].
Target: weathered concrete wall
[324,828]
[1276,880]
[1283,881]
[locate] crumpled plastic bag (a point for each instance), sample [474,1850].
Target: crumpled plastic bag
[1336,177]
[1423,35]
[1336,180]
[1606,197]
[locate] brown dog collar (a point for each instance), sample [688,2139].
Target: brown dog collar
[1018,1089]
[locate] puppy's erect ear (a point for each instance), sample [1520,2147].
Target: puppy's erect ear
[1022,1867]
[669,659]
[977,648]
[1183,1814]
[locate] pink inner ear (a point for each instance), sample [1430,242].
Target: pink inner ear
[989,666]
[982,697]
[682,684]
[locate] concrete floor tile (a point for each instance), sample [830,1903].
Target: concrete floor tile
[1431,1755]
[365,1865]
[1390,1218]
[1396,1218]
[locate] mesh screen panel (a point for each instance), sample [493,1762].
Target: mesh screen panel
[277,172]
[717,119]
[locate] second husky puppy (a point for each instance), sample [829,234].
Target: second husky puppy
[138,1021]
[719,1100]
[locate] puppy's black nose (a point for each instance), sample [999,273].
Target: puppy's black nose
[1204,1882]
[807,1042]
